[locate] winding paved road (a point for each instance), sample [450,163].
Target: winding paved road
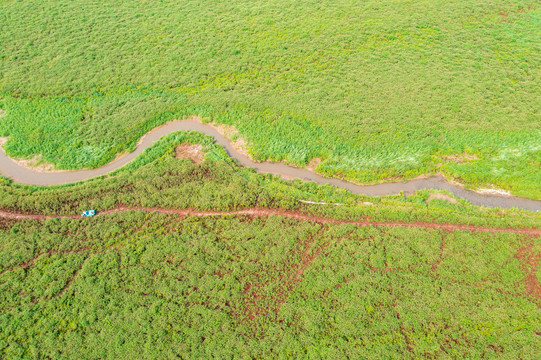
[23,175]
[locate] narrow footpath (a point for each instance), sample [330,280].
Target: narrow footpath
[259,212]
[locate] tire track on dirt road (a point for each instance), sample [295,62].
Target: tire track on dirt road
[261,212]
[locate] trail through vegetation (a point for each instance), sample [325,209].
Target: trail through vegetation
[259,212]
[213,260]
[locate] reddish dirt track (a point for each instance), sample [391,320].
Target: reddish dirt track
[529,261]
[256,212]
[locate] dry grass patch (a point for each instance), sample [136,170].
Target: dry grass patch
[441,197]
[313,164]
[230,132]
[194,152]
[460,158]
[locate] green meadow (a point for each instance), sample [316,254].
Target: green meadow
[374,90]
[378,90]
[144,286]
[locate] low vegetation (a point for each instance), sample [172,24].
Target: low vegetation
[377,90]
[158,178]
[135,285]
[146,285]
[369,91]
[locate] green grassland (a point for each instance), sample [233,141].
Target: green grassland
[143,285]
[378,90]
[136,285]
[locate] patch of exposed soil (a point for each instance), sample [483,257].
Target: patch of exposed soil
[529,260]
[194,152]
[313,164]
[37,163]
[494,192]
[2,113]
[483,191]
[439,196]
[504,15]
[460,158]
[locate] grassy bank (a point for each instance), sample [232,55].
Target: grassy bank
[158,178]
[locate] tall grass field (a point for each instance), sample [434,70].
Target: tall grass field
[379,90]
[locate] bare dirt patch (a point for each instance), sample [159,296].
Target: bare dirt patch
[194,152]
[441,197]
[516,15]
[529,260]
[494,192]
[504,15]
[460,158]
[2,113]
[37,163]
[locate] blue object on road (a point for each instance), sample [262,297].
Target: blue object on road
[88,213]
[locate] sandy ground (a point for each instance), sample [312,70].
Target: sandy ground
[194,152]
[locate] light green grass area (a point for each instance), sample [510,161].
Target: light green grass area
[378,90]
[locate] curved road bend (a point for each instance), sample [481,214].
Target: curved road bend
[23,175]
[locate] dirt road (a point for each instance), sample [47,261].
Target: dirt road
[260,212]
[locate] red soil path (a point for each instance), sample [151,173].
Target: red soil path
[257,212]
[529,261]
